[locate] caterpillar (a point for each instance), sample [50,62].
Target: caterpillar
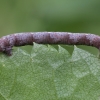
[21,39]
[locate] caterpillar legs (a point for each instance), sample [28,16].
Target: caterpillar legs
[8,51]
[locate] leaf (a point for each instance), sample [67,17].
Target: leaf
[49,74]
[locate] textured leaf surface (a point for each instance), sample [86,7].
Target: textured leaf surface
[49,74]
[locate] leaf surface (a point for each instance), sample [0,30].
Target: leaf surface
[50,74]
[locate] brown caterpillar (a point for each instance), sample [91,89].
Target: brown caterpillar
[21,39]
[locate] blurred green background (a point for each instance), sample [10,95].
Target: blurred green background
[50,15]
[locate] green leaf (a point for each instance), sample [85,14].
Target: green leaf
[49,74]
